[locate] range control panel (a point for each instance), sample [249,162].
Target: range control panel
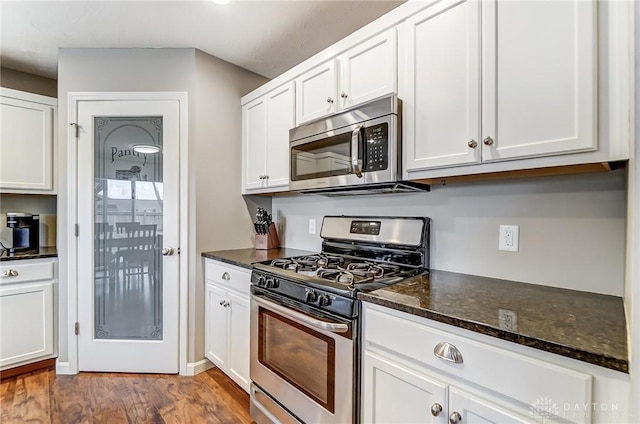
[377,150]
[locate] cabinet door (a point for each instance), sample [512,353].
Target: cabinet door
[280,119]
[392,393]
[316,93]
[440,85]
[26,143]
[475,410]
[539,78]
[369,70]
[216,325]
[26,323]
[254,137]
[239,339]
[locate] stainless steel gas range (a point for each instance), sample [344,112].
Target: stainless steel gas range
[304,316]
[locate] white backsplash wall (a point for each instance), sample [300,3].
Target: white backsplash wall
[572,228]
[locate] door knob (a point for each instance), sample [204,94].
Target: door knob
[473,144]
[488,141]
[168,251]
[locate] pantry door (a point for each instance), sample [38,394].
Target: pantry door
[128,217]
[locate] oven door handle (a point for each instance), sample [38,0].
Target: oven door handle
[333,327]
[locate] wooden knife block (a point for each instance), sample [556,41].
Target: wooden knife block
[268,241]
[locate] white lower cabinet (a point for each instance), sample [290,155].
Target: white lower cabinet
[404,381]
[26,312]
[227,319]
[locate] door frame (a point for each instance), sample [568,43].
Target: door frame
[74,98]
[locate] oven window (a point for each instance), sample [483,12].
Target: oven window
[327,157]
[303,357]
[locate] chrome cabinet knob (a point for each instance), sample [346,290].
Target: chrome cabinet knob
[9,273]
[168,251]
[226,304]
[344,95]
[329,100]
[455,418]
[436,409]
[488,141]
[222,303]
[226,276]
[473,144]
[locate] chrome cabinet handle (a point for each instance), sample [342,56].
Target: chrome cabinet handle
[448,352]
[356,162]
[436,409]
[455,418]
[329,100]
[9,273]
[262,177]
[473,144]
[344,95]
[168,251]
[488,141]
[222,303]
[226,276]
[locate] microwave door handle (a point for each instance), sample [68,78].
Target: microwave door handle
[356,158]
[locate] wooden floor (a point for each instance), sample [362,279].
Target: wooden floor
[43,397]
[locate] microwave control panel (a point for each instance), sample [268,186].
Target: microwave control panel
[377,150]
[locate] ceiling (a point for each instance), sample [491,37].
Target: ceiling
[266,37]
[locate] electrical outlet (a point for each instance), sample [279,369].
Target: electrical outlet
[312,226]
[508,319]
[509,238]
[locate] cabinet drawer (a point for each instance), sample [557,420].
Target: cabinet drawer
[25,271]
[514,375]
[228,276]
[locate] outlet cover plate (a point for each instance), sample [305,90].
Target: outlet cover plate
[509,238]
[312,226]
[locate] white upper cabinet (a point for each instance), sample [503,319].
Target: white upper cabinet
[316,92]
[266,122]
[539,78]
[27,134]
[528,91]
[369,70]
[364,72]
[440,85]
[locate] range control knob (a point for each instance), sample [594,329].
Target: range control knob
[310,296]
[261,281]
[324,300]
[271,283]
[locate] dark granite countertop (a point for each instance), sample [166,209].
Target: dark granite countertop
[585,326]
[43,252]
[245,257]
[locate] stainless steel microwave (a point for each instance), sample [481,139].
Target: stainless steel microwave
[355,152]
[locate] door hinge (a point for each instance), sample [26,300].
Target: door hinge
[76,230]
[77,128]
[76,328]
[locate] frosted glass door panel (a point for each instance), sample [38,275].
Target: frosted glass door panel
[128,232]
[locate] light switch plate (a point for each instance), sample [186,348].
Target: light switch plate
[312,226]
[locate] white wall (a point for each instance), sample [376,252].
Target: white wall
[572,228]
[214,88]
[632,287]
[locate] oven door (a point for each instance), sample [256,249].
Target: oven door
[360,153]
[302,361]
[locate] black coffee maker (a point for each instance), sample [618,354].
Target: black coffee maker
[26,231]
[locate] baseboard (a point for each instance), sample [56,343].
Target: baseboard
[202,365]
[64,368]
